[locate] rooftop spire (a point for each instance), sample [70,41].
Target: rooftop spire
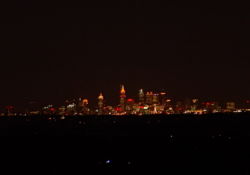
[100,97]
[123,91]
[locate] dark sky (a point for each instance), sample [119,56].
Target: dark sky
[55,51]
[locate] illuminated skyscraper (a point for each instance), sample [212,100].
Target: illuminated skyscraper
[100,104]
[85,102]
[130,106]
[85,108]
[141,97]
[163,99]
[122,98]
[155,99]
[149,98]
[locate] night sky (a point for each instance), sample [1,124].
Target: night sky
[51,52]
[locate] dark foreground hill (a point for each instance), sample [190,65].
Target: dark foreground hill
[178,144]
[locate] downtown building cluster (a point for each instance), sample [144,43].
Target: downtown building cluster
[146,103]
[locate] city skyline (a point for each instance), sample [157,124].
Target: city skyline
[144,103]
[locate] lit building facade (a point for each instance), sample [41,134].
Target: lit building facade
[100,104]
[123,98]
[141,97]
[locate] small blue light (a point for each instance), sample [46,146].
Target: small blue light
[108,161]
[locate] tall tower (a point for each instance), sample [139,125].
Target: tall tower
[141,97]
[100,104]
[122,97]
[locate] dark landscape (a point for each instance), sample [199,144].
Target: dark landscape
[160,144]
